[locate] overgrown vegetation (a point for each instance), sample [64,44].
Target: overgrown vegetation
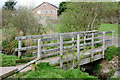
[8,60]
[18,22]
[111,52]
[44,70]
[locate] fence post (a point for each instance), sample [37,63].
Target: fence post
[72,41]
[39,48]
[78,45]
[103,46]
[61,52]
[113,34]
[19,46]
[84,39]
[92,46]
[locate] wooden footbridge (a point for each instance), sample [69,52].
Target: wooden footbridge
[57,49]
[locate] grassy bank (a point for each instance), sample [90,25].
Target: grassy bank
[109,27]
[44,70]
[8,60]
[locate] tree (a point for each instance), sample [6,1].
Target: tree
[62,7]
[10,5]
[81,16]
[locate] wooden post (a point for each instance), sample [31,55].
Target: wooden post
[78,45]
[92,47]
[72,43]
[39,48]
[113,34]
[103,46]
[58,40]
[19,46]
[84,39]
[61,52]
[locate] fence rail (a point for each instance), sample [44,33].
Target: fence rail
[87,38]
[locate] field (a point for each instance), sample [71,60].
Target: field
[109,27]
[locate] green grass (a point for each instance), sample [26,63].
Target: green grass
[109,27]
[44,70]
[8,60]
[57,27]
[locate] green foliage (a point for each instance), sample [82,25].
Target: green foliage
[8,60]
[44,70]
[10,32]
[62,7]
[111,51]
[10,46]
[85,17]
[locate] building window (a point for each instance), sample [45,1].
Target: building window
[52,11]
[46,11]
[39,12]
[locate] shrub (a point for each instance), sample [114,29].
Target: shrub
[10,46]
[110,52]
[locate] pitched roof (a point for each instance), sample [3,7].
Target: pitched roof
[47,3]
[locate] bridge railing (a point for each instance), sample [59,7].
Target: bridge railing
[41,39]
[62,43]
[59,45]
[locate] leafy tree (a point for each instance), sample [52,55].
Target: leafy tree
[9,5]
[81,16]
[62,7]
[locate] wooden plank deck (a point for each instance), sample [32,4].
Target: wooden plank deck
[7,71]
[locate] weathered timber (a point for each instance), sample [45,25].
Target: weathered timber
[39,48]
[68,47]
[67,42]
[61,51]
[92,46]
[19,47]
[52,44]
[103,46]
[26,48]
[78,45]
[51,50]
[51,35]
